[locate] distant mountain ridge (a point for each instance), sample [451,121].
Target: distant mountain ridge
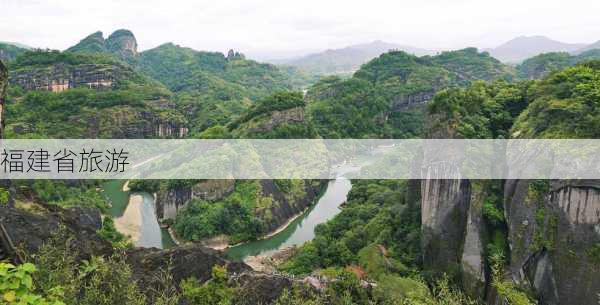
[523,47]
[593,46]
[349,59]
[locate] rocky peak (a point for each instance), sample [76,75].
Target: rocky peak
[92,43]
[123,43]
[234,55]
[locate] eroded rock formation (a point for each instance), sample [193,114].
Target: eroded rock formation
[283,207]
[555,239]
[171,201]
[123,43]
[444,210]
[61,77]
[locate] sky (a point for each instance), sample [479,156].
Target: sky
[282,28]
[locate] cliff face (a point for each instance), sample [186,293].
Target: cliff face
[61,77]
[555,239]
[444,208]
[3,85]
[123,43]
[284,207]
[553,234]
[171,201]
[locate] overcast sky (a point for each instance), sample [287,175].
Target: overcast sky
[276,28]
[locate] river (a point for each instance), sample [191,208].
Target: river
[301,229]
[142,222]
[135,213]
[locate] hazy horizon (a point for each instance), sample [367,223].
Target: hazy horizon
[269,29]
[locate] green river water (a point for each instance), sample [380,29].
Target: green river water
[152,235]
[299,231]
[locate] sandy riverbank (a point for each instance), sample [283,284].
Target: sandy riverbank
[130,224]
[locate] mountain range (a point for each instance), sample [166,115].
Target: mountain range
[349,59]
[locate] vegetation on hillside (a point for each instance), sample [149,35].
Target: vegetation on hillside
[565,105]
[384,98]
[542,65]
[9,52]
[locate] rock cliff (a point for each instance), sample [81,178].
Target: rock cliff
[553,230]
[172,200]
[444,213]
[3,86]
[61,77]
[554,235]
[284,207]
[123,43]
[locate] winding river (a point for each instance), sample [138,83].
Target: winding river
[135,215]
[301,229]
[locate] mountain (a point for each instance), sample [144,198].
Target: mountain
[121,43]
[523,47]
[349,59]
[539,66]
[593,46]
[17,44]
[9,51]
[384,97]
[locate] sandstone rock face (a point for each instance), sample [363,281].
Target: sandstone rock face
[61,77]
[123,43]
[283,208]
[267,123]
[402,102]
[472,260]
[552,239]
[444,214]
[175,199]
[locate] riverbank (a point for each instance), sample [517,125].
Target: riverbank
[221,243]
[130,223]
[298,229]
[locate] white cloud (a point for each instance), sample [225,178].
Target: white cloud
[260,26]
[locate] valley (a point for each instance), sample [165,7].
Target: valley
[301,241]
